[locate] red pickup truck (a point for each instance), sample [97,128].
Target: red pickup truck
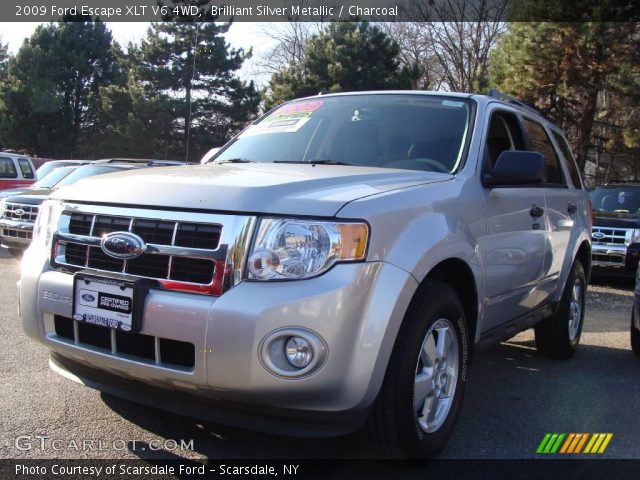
[16,170]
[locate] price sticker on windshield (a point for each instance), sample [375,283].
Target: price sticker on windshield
[286,119]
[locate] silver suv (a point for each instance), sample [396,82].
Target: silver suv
[332,270]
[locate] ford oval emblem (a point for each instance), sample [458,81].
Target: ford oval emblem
[598,235]
[19,212]
[87,297]
[123,245]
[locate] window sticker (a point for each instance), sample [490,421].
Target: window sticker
[286,119]
[450,103]
[622,197]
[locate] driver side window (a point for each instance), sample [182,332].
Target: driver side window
[504,133]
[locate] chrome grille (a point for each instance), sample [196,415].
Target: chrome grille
[17,233]
[611,236]
[20,211]
[155,233]
[604,259]
[184,251]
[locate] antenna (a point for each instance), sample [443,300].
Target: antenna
[193,76]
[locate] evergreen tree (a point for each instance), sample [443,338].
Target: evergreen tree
[50,94]
[565,68]
[192,64]
[346,56]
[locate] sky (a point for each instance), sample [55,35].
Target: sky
[241,35]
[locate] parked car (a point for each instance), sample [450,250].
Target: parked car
[18,212]
[15,170]
[47,181]
[51,165]
[332,270]
[616,228]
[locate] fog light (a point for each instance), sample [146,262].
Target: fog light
[299,352]
[292,352]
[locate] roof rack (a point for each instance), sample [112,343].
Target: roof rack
[146,161]
[614,181]
[493,93]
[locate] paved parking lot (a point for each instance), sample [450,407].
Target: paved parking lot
[513,398]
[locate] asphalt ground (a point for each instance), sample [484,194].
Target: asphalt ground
[513,397]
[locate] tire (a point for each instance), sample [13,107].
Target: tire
[398,426]
[16,252]
[635,338]
[558,336]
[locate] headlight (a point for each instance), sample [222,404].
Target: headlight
[46,223]
[635,235]
[2,202]
[295,249]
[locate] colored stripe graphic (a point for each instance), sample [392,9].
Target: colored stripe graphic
[581,443]
[574,443]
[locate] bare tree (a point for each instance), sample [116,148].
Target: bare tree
[416,52]
[459,35]
[290,40]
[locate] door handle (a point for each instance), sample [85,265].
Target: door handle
[572,208]
[536,211]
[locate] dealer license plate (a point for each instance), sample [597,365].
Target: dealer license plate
[104,301]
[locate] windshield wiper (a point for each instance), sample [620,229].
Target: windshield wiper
[314,162]
[237,160]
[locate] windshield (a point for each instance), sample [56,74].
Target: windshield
[83,172]
[616,199]
[53,177]
[48,167]
[415,132]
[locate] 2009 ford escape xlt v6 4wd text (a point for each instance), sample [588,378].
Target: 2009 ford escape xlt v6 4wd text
[332,270]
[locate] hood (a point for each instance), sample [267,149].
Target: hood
[616,219]
[12,191]
[30,197]
[270,188]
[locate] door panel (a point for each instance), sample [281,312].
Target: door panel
[559,226]
[514,247]
[513,251]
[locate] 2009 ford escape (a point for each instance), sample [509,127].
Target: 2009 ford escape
[332,270]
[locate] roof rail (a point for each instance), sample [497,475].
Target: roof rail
[614,181]
[147,161]
[493,93]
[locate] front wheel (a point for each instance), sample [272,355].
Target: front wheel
[421,394]
[559,335]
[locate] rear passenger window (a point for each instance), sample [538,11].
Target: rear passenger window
[7,168]
[25,168]
[576,178]
[539,141]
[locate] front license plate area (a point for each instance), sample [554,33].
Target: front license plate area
[107,301]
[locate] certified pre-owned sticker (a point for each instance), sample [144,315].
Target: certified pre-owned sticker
[114,303]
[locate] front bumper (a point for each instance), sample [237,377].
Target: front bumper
[16,233]
[618,258]
[355,308]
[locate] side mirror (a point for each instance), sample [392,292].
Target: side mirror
[210,154]
[516,167]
